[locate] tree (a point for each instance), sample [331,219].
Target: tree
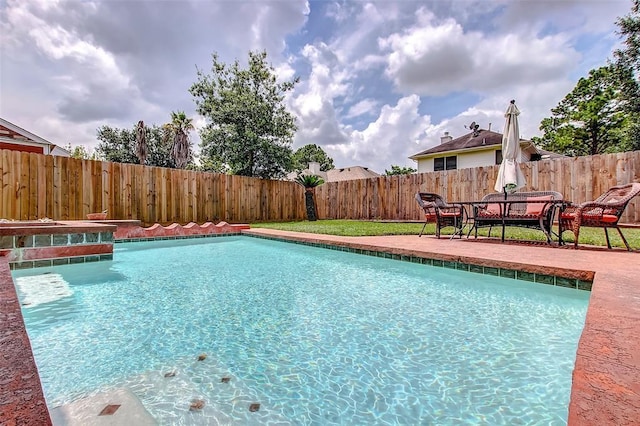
[629,25]
[141,142]
[590,120]
[310,182]
[311,153]
[627,71]
[397,170]
[116,145]
[80,152]
[180,126]
[249,131]
[119,145]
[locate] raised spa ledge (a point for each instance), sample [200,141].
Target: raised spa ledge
[55,227]
[37,244]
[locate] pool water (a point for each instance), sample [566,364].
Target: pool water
[314,336]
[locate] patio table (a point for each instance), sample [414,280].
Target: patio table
[507,219]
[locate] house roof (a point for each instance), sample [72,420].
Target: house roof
[16,135]
[468,141]
[341,174]
[350,173]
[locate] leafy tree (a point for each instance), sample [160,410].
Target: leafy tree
[181,151]
[397,170]
[311,153]
[310,182]
[629,25]
[590,120]
[627,71]
[119,145]
[116,145]
[80,152]
[249,130]
[141,143]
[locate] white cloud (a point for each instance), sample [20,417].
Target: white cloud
[365,106]
[434,58]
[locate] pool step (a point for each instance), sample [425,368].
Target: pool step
[117,407]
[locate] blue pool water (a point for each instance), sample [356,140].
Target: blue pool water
[314,336]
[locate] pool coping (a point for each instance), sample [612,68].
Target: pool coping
[606,378]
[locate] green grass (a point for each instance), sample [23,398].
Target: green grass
[360,228]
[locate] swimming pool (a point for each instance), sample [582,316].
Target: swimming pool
[314,336]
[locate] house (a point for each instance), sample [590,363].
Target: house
[475,149]
[335,175]
[16,138]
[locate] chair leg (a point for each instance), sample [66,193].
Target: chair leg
[422,231]
[606,234]
[576,233]
[623,238]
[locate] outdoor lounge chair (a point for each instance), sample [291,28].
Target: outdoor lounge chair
[437,210]
[603,212]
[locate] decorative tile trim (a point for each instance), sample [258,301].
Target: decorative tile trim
[174,237]
[28,264]
[478,269]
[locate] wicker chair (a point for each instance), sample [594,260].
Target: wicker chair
[603,212]
[437,210]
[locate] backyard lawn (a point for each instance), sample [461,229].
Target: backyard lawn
[359,228]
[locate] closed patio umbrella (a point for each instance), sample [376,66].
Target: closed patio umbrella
[510,177]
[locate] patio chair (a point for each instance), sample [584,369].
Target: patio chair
[437,210]
[603,212]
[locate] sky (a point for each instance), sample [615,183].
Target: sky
[379,80]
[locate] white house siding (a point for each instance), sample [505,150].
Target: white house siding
[464,161]
[425,165]
[477,159]
[468,160]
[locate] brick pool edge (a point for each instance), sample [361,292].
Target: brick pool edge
[21,397]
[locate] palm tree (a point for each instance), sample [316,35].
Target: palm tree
[310,182]
[180,126]
[141,142]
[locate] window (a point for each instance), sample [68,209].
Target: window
[499,156]
[445,163]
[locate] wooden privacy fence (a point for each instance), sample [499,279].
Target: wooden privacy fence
[579,179]
[36,186]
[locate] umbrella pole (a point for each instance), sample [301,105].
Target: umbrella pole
[504,210]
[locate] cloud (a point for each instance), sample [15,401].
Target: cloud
[365,106]
[436,57]
[393,135]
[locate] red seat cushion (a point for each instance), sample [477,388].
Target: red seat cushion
[493,209]
[607,218]
[536,208]
[450,214]
[568,215]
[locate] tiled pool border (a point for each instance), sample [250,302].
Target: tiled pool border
[574,283]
